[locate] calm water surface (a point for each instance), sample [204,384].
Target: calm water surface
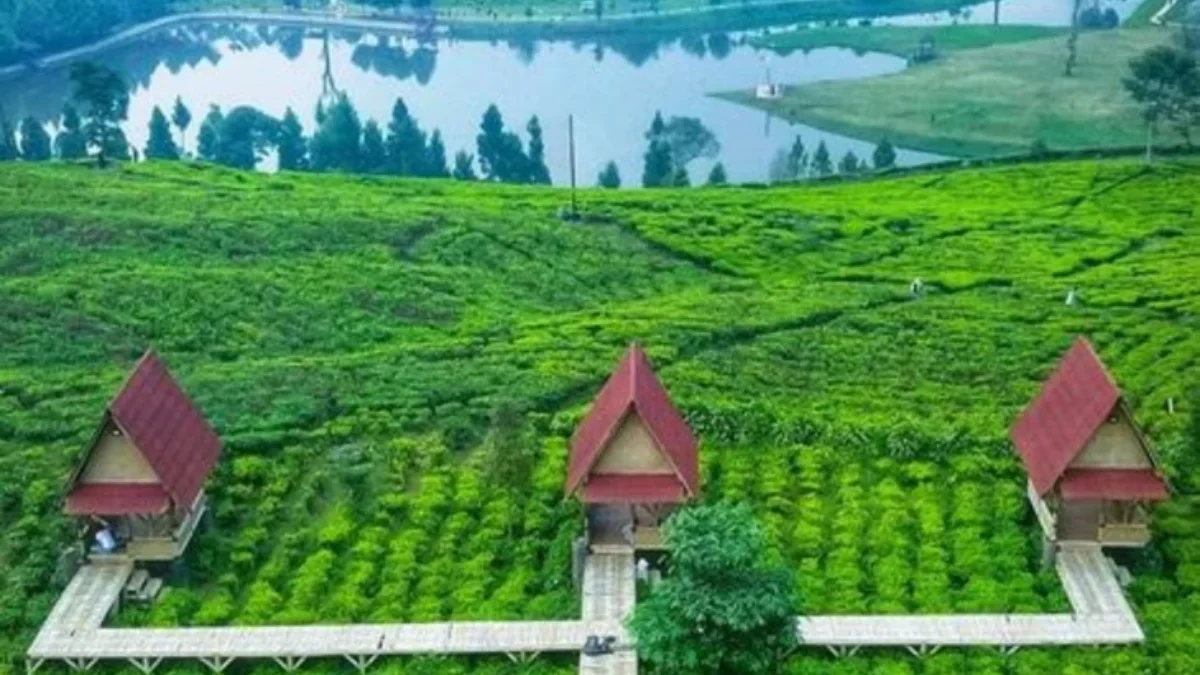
[612,89]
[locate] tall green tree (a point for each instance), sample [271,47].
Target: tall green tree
[8,140]
[501,157]
[822,164]
[464,166]
[797,159]
[208,140]
[245,136]
[70,142]
[337,144]
[1165,80]
[374,156]
[435,157]
[293,147]
[658,168]
[35,142]
[680,178]
[884,156]
[717,175]
[182,117]
[405,143]
[539,173]
[849,164]
[610,176]
[725,607]
[104,98]
[160,144]
[688,139]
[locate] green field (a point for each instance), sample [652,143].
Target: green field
[902,40]
[353,340]
[993,100]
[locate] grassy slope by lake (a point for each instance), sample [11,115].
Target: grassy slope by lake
[351,338]
[987,101]
[902,40]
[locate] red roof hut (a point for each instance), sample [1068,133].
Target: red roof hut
[142,477]
[1091,471]
[633,459]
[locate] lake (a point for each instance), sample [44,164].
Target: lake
[613,88]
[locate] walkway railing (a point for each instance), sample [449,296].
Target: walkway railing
[73,631]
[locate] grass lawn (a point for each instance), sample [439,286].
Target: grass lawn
[987,101]
[353,338]
[902,40]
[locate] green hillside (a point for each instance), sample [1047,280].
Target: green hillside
[396,366]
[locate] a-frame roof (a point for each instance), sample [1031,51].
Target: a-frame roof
[634,388]
[165,426]
[1075,401]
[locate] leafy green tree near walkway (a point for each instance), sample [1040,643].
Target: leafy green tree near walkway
[104,98]
[160,145]
[725,607]
[35,142]
[70,143]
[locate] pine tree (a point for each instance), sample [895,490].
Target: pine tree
[406,148]
[849,164]
[435,157]
[337,144]
[160,145]
[374,157]
[70,143]
[538,171]
[822,165]
[35,142]
[182,117]
[464,166]
[658,169]
[680,178]
[884,156]
[717,175]
[208,142]
[8,141]
[610,176]
[797,160]
[293,147]
[489,144]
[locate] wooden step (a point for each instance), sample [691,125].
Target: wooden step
[137,580]
[150,591]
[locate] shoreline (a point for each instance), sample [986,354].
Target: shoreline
[737,17]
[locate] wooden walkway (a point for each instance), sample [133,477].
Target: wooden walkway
[609,593]
[74,633]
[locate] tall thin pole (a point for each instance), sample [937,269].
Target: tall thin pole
[571,143]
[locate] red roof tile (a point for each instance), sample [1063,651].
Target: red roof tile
[1125,484]
[115,499]
[163,424]
[1079,396]
[634,387]
[636,488]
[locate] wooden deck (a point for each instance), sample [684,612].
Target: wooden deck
[609,593]
[74,632]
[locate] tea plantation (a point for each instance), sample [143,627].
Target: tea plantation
[396,367]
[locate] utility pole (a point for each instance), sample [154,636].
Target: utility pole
[571,143]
